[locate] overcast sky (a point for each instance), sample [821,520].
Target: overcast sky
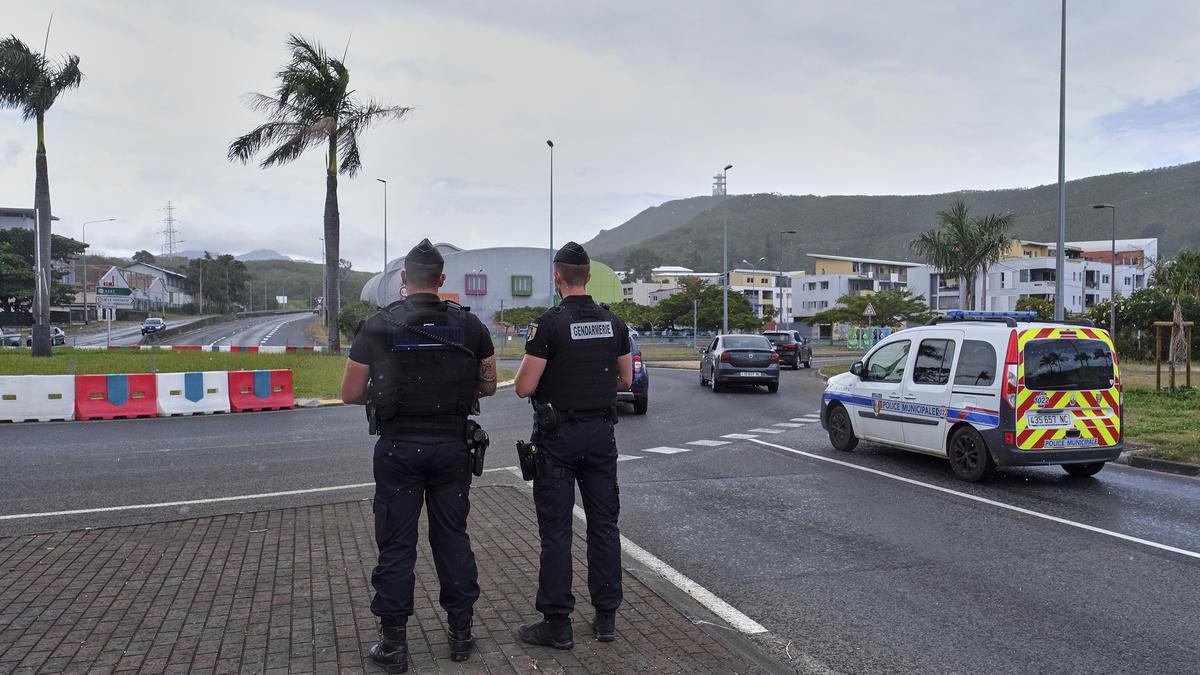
[645,102]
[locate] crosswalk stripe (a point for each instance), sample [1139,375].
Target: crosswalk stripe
[626,458]
[665,450]
[767,431]
[740,437]
[707,443]
[788,425]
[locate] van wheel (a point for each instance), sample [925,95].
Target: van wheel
[969,456]
[841,433]
[1083,470]
[640,405]
[713,384]
[773,387]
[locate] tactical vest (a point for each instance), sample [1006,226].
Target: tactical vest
[581,375]
[421,388]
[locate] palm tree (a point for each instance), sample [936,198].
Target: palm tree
[963,247]
[31,82]
[314,107]
[1179,277]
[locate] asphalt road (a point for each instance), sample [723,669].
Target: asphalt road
[851,571]
[276,330]
[121,335]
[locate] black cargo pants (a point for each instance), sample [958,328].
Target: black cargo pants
[408,473]
[584,452]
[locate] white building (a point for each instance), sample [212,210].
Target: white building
[174,284]
[1030,270]
[836,276]
[647,292]
[17,218]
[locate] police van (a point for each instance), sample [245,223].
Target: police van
[985,389]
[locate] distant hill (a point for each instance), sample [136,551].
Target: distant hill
[653,221]
[300,280]
[256,254]
[1159,203]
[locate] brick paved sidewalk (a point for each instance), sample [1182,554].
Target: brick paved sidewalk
[288,591]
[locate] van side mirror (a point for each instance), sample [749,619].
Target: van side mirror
[857,368]
[703,350]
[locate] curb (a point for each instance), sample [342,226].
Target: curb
[1164,465]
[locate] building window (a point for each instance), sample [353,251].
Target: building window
[1002,280]
[824,285]
[476,284]
[1024,276]
[812,286]
[857,268]
[522,286]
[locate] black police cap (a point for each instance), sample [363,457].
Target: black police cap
[425,253]
[572,254]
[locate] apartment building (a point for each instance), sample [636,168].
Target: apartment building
[835,276]
[1029,269]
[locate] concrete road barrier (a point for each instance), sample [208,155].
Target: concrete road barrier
[37,398]
[192,393]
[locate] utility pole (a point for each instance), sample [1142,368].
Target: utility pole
[551,144]
[695,321]
[383,297]
[1060,264]
[201,305]
[725,249]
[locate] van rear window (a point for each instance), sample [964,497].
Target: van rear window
[1068,365]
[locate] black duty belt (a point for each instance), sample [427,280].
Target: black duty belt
[586,414]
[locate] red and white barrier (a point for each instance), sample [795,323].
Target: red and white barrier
[37,398]
[192,393]
[106,397]
[260,390]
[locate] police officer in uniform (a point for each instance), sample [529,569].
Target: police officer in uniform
[421,364]
[576,358]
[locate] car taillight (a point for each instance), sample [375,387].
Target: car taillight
[724,357]
[637,363]
[1010,372]
[792,346]
[774,357]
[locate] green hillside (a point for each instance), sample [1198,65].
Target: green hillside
[300,281]
[1157,203]
[653,221]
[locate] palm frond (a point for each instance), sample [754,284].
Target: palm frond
[351,160]
[245,147]
[68,76]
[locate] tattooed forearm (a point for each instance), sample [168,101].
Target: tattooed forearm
[487,377]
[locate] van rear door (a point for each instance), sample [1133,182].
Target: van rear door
[1068,393]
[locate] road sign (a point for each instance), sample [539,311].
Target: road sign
[870,310]
[112,290]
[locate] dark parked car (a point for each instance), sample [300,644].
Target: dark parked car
[153,325]
[792,347]
[638,392]
[740,359]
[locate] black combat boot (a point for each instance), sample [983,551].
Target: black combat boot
[554,631]
[391,652]
[459,636]
[604,626]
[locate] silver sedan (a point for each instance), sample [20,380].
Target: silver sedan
[740,359]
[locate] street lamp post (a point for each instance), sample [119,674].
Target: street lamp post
[1112,275]
[1060,310]
[783,271]
[383,274]
[551,145]
[85,265]
[725,248]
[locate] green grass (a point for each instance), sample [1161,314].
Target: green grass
[829,371]
[1167,424]
[314,375]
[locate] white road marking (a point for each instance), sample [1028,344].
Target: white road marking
[626,458]
[788,425]
[740,437]
[813,416]
[714,604]
[189,502]
[665,450]
[767,431]
[801,419]
[707,443]
[989,502]
[705,597]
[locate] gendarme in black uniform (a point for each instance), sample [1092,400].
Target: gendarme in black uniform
[581,342]
[422,391]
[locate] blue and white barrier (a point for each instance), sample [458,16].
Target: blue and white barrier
[192,393]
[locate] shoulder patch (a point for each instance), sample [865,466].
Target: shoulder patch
[532,330]
[592,330]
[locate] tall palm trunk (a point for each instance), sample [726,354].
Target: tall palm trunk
[333,289]
[1178,351]
[41,202]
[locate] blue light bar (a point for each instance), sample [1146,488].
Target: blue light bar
[980,314]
